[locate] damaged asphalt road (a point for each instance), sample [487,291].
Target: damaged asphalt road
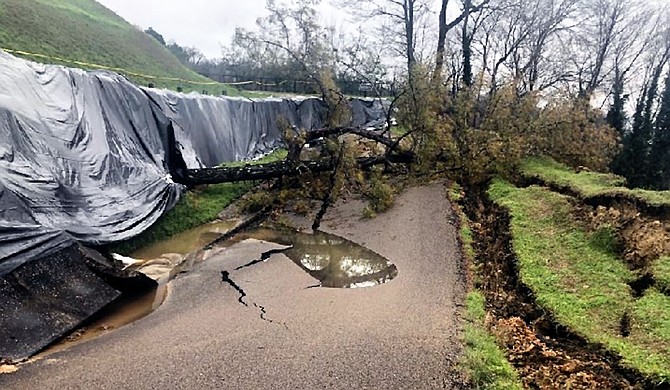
[400,335]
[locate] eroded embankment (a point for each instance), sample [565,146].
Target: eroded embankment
[641,230]
[545,353]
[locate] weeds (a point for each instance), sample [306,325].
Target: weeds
[380,194]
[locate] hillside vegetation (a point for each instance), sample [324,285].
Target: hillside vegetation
[87,32]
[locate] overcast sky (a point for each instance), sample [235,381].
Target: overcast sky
[205,24]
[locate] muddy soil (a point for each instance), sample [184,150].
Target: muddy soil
[546,355]
[642,229]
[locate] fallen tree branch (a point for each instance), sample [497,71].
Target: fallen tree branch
[281,168]
[328,197]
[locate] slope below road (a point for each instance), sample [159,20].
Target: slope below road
[400,335]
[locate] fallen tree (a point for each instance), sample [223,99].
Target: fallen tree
[293,166]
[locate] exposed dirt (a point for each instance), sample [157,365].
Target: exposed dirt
[641,239]
[546,355]
[642,231]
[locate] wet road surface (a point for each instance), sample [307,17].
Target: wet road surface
[400,335]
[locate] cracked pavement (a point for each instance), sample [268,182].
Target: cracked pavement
[401,335]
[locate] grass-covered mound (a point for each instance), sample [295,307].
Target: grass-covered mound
[579,279]
[660,270]
[88,33]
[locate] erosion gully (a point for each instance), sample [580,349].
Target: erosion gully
[545,353]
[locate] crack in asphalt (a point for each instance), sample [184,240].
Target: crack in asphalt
[225,277]
[264,256]
[263,313]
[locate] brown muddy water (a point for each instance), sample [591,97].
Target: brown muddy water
[332,260]
[186,242]
[123,311]
[130,308]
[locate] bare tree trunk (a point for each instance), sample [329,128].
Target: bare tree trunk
[408,8]
[441,40]
[467,51]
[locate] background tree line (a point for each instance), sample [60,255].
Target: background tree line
[480,84]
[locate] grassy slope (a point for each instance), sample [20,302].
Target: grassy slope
[83,30]
[589,184]
[579,279]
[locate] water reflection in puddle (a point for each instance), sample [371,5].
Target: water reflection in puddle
[333,260]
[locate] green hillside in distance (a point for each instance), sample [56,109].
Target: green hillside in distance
[86,31]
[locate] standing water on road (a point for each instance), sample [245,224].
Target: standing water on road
[333,260]
[186,242]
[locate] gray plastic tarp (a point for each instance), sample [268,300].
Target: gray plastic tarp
[90,157]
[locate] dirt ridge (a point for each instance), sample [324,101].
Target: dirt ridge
[545,353]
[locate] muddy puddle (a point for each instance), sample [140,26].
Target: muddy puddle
[123,311]
[332,260]
[160,261]
[186,242]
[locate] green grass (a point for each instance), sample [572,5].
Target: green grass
[578,278]
[589,184]
[650,323]
[661,271]
[196,208]
[85,31]
[483,361]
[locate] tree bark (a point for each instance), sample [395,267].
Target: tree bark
[408,8]
[441,39]
[466,43]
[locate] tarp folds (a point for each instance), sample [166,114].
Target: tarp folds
[211,130]
[83,156]
[90,157]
